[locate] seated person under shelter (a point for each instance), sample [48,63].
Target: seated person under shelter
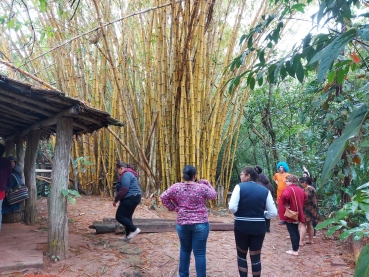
[14,181]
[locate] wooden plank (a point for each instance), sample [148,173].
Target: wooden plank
[150,225]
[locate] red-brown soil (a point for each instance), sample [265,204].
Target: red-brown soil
[156,254]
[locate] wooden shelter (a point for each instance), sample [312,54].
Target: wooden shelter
[29,114]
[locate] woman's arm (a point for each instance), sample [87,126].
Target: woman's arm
[210,193]
[166,199]
[270,206]
[235,198]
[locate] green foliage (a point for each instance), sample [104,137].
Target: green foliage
[322,50]
[83,161]
[353,217]
[362,266]
[336,149]
[71,194]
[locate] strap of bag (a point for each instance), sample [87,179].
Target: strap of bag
[16,179]
[295,198]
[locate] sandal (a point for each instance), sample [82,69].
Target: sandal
[309,242]
[302,244]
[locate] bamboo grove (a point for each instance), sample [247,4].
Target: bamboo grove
[157,66]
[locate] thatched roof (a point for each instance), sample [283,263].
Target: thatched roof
[24,108]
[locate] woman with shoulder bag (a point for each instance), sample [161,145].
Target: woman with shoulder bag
[291,201]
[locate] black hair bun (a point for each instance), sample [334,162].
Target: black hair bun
[258,169]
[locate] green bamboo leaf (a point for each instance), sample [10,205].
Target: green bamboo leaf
[362,266]
[336,149]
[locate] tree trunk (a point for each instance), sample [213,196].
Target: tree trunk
[30,177]
[20,153]
[57,203]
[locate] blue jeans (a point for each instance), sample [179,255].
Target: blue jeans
[193,237]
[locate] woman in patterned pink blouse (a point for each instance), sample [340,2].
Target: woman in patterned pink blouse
[188,199]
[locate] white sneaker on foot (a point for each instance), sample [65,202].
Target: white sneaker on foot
[133,234]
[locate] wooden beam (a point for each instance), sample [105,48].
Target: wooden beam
[30,107]
[27,99]
[49,121]
[15,112]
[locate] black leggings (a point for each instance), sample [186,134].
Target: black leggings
[125,212]
[293,229]
[245,242]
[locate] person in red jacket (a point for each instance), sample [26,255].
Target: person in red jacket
[5,174]
[288,200]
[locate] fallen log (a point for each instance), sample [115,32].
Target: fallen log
[150,225]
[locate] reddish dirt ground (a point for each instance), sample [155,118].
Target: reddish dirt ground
[156,254]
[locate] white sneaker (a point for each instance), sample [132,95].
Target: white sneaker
[133,234]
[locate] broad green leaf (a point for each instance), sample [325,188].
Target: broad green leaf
[72,200]
[340,76]
[298,7]
[344,235]
[363,186]
[74,192]
[358,235]
[365,143]
[64,192]
[362,266]
[325,223]
[336,149]
[260,81]
[363,32]
[326,56]
[333,229]
[252,83]
[331,76]
[300,72]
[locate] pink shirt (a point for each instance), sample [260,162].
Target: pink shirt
[189,200]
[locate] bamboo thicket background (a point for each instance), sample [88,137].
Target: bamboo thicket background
[157,66]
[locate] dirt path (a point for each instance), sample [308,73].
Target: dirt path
[156,254]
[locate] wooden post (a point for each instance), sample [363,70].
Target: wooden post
[30,213]
[57,203]
[220,194]
[20,153]
[9,148]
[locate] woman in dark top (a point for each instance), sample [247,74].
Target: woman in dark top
[248,202]
[264,181]
[129,195]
